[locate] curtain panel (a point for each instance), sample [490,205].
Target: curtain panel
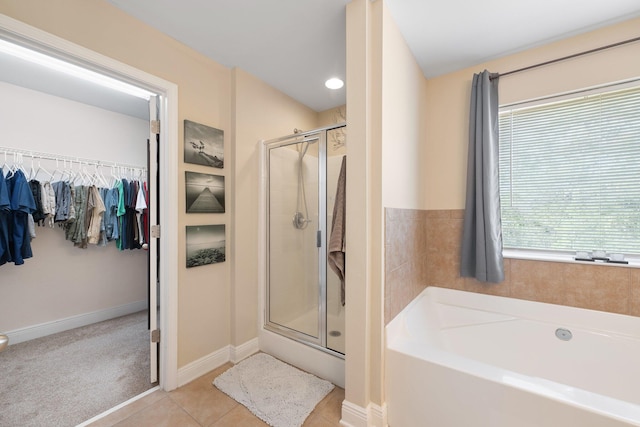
[481,256]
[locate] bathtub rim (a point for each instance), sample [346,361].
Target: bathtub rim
[399,340]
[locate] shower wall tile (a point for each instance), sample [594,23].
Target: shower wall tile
[423,249]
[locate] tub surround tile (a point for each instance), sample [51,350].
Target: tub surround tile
[597,287]
[444,235]
[438,213]
[443,270]
[497,289]
[434,260]
[634,293]
[406,240]
[537,281]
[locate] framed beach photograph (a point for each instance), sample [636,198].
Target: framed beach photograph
[205,244]
[203,145]
[204,192]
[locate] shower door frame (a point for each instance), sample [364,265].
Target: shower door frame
[319,134]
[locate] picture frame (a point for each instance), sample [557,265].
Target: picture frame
[204,193]
[205,244]
[203,145]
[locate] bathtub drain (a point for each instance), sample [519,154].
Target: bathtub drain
[564,334]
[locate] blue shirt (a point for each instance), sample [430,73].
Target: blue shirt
[5,217]
[22,204]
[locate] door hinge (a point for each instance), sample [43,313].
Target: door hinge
[319,239]
[155,127]
[155,335]
[155,231]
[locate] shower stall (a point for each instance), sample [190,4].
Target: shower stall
[304,299]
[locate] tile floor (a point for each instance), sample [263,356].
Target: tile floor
[200,404]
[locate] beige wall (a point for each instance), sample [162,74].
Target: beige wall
[204,97]
[332,116]
[359,204]
[447,98]
[403,104]
[261,113]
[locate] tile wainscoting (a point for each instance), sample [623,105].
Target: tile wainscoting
[422,248]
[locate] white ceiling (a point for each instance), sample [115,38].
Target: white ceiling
[295,45]
[448,35]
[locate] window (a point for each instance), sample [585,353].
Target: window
[570,173]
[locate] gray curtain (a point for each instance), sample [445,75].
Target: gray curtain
[482,235]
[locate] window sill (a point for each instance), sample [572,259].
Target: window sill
[533,255]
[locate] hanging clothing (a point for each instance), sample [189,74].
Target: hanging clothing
[120,186]
[5,217]
[48,202]
[145,214]
[111,214]
[141,207]
[95,210]
[133,233]
[36,191]
[22,204]
[62,194]
[76,230]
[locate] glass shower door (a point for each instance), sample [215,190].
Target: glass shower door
[295,239]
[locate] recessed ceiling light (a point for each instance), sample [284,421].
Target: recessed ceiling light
[334,83]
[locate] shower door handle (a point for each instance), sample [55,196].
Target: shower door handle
[319,239]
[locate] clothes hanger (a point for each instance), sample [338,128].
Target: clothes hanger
[43,170]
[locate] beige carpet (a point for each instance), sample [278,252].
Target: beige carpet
[67,378]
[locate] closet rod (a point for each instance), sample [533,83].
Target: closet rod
[35,155]
[564,58]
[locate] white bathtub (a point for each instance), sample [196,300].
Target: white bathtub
[461,359]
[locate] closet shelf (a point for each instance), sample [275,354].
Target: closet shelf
[11,155]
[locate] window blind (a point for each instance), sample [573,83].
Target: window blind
[570,174]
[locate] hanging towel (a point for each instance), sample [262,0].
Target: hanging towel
[336,240]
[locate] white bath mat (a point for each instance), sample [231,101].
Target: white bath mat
[277,393]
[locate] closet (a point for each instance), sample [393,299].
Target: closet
[63,285]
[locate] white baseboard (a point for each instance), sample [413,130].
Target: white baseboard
[357,416]
[199,367]
[245,350]
[208,363]
[378,415]
[44,329]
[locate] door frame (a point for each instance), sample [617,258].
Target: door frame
[28,36]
